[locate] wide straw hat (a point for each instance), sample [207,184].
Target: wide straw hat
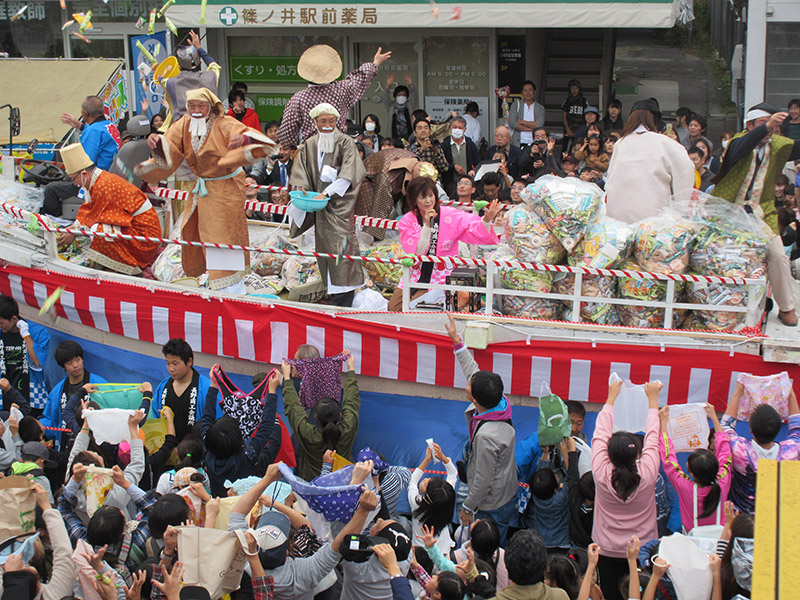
[320,64]
[75,158]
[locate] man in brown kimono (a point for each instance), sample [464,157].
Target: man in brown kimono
[328,163]
[215,147]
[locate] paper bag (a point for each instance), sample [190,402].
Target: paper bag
[688,427]
[212,559]
[19,506]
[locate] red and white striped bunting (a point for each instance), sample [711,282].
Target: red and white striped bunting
[258,331]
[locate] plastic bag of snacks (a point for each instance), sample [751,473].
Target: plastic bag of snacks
[662,243]
[592,285]
[168,267]
[717,294]
[267,263]
[529,238]
[606,243]
[566,205]
[531,308]
[299,270]
[526,280]
[647,290]
[383,275]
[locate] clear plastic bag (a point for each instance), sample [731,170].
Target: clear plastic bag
[529,238]
[566,205]
[662,243]
[266,263]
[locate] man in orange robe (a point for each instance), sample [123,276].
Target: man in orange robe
[112,205]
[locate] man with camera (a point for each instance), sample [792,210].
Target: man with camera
[540,157]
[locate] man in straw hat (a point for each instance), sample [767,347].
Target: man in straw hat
[215,147]
[328,162]
[321,65]
[753,160]
[112,205]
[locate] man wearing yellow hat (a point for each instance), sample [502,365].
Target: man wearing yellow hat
[215,148]
[112,205]
[328,163]
[321,66]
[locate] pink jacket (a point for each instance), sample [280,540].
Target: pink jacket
[616,521]
[454,226]
[685,486]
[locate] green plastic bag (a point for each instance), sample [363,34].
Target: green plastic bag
[554,423]
[118,395]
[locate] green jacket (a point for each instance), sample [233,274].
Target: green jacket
[309,463]
[733,175]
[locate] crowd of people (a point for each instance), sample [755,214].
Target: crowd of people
[516,515]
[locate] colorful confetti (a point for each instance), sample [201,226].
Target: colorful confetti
[140,23]
[165,8]
[81,37]
[51,300]
[170,25]
[18,14]
[67,24]
[151,27]
[203,6]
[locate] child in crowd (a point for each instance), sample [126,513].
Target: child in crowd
[23,349]
[228,456]
[703,496]
[572,110]
[765,424]
[547,512]
[184,390]
[580,489]
[69,356]
[432,500]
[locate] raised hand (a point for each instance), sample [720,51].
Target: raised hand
[428,538]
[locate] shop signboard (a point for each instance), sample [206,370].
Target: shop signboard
[265,69]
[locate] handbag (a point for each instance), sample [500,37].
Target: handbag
[712,532]
[220,571]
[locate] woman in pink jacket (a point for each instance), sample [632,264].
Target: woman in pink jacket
[625,473]
[436,230]
[701,493]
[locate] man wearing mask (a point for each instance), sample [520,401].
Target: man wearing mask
[321,66]
[753,160]
[215,148]
[502,143]
[461,154]
[191,58]
[328,163]
[400,104]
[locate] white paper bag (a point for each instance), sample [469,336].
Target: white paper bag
[109,425]
[688,427]
[688,569]
[630,407]
[213,559]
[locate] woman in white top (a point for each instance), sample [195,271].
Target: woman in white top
[433,500]
[646,169]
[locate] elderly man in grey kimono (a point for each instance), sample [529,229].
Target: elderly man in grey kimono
[328,163]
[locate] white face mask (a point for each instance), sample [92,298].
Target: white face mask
[457,133]
[369,126]
[725,144]
[401,100]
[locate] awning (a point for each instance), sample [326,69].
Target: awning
[448,14]
[43,89]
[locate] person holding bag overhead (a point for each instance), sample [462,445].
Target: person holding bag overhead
[701,493]
[625,472]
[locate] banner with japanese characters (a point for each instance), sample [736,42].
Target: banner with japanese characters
[446,13]
[149,95]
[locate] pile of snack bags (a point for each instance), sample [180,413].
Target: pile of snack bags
[563,221]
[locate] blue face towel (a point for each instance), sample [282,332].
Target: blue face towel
[331,495]
[23,547]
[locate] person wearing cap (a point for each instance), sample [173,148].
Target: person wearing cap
[216,147]
[293,578]
[328,163]
[590,115]
[572,109]
[34,459]
[191,58]
[753,160]
[646,169]
[570,166]
[112,206]
[101,141]
[321,66]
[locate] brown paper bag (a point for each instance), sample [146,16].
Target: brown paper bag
[212,559]
[19,506]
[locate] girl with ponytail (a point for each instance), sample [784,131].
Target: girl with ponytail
[625,472]
[703,490]
[328,427]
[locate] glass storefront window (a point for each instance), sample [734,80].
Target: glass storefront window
[37,32]
[99,48]
[783,63]
[404,61]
